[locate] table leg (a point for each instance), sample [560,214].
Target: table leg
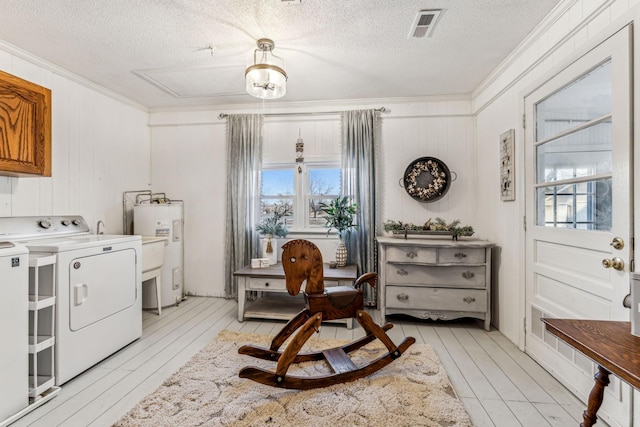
[242,296]
[595,397]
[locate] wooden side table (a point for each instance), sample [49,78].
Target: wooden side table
[610,345]
[273,301]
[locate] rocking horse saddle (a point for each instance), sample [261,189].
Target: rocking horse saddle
[341,296]
[336,302]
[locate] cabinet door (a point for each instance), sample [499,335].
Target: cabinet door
[96,290]
[25,127]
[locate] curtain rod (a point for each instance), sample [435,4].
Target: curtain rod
[321,113]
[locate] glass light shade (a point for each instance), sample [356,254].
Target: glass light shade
[266,81]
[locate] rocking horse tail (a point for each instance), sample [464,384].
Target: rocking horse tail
[370,278]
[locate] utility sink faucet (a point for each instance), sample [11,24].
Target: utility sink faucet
[98,227]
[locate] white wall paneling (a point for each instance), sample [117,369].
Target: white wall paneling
[498,104]
[188,162]
[100,148]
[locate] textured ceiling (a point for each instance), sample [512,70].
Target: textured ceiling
[155,52]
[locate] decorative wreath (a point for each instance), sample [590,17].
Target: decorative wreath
[427,179]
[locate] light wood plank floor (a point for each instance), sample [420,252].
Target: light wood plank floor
[499,385]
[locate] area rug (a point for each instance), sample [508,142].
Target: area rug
[412,391]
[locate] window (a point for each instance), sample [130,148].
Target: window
[573,152]
[300,193]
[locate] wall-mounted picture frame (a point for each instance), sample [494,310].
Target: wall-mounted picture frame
[507,166]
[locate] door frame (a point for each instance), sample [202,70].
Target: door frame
[627,19]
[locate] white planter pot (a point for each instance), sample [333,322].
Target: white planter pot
[273,255]
[341,254]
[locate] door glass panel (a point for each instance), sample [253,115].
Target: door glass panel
[580,154]
[585,99]
[584,205]
[573,137]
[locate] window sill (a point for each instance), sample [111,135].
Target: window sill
[316,234]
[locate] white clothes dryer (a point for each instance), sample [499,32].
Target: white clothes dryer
[98,288]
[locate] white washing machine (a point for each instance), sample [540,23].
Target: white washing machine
[98,288]
[14,330]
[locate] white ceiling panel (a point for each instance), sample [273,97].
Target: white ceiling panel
[155,52]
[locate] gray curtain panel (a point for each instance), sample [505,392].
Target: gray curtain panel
[244,166]
[360,139]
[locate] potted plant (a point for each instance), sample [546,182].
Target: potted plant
[340,214]
[271,227]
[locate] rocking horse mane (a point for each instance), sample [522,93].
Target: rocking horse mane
[308,266]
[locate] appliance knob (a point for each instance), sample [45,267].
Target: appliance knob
[44,223]
[75,222]
[66,222]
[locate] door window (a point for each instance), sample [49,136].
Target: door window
[573,154]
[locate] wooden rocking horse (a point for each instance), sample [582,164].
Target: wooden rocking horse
[301,260]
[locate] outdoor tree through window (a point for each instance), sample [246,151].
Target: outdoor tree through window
[300,195]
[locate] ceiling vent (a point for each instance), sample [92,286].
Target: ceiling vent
[424,23]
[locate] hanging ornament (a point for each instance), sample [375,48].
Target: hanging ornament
[299,152]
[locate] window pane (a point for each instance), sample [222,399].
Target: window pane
[587,98]
[579,154]
[277,182]
[316,215]
[324,181]
[585,206]
[324,185]
[277,194]
[283,205]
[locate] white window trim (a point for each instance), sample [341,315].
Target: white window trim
[300,198]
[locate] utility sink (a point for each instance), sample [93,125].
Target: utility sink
[152,259]
[152,256]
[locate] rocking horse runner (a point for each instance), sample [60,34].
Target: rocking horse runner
[301,260]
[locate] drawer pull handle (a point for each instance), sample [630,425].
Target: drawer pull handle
[402,297]
[402,272]
[468,275]
[412,254]
[469,300]
[460,255]
[266,284]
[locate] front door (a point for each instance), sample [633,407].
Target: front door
[578,210]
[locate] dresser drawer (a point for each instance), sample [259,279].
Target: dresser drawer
[472,276]
[411,297]
[461,256]
[412,254]
[267,284]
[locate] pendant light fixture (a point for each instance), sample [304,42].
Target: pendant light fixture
[266,78]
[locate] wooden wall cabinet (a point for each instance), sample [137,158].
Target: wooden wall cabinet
[25,127]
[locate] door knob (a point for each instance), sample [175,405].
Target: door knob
[615,262]
[617,243]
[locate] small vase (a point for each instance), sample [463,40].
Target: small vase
[341,254]
[270,249]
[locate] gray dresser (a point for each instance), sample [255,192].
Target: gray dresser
[437,279]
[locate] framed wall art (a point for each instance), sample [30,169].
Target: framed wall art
[507,166]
